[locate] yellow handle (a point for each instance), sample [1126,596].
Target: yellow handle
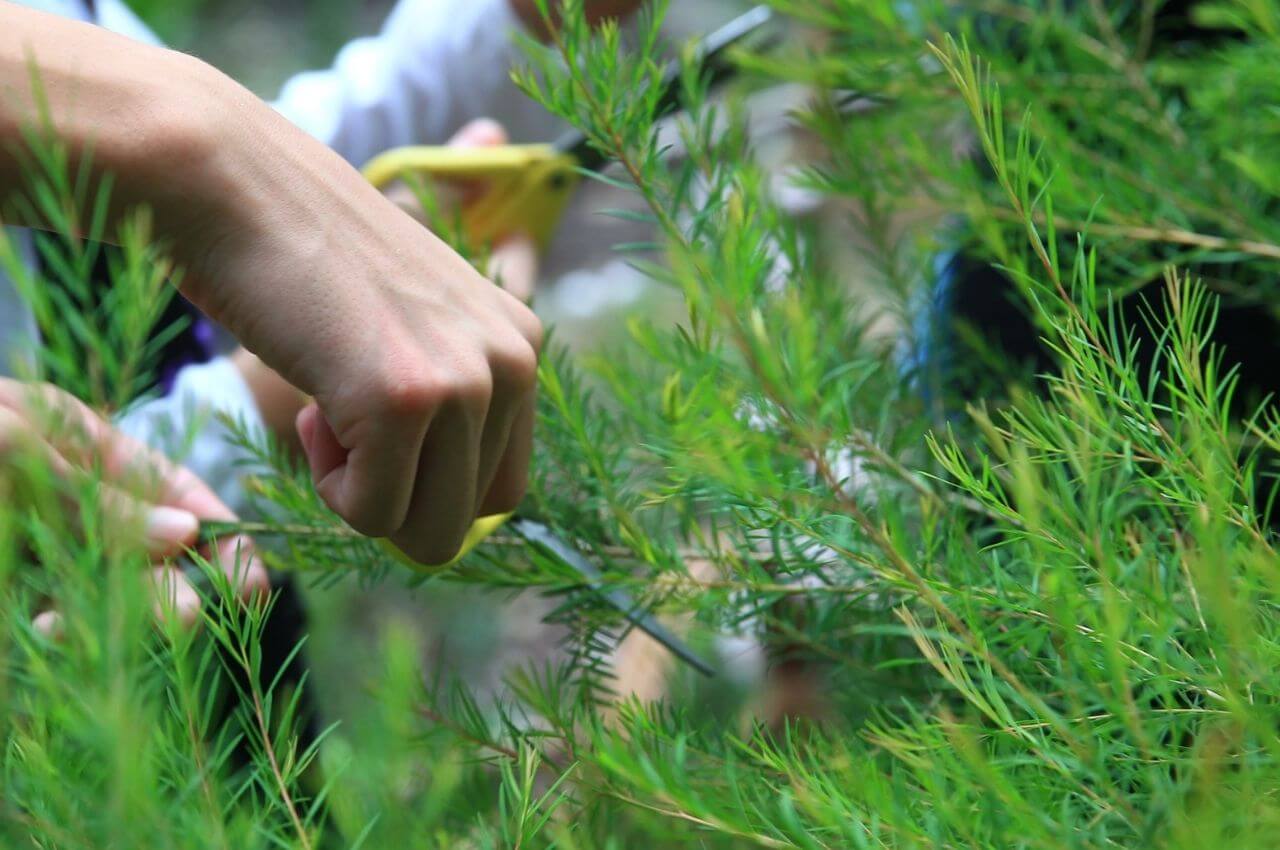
[480,529]
[527,187]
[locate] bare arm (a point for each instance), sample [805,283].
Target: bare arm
[131,103]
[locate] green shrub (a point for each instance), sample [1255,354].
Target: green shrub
[1044,619]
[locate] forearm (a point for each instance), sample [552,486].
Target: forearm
[233,186]
[128,104]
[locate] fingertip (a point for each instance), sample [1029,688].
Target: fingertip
[480,133]
[239,560]
[257,582]
[168,529]
[175,597]
[49,624]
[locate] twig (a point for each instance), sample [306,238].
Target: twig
[427,713]
[1147,233]
[260,716]
[761,840]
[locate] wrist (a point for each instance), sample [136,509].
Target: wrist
[181,168]
[217,165]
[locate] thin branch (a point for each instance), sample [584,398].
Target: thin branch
[1149,233]
[677,814]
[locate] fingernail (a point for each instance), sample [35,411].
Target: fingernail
[171,525]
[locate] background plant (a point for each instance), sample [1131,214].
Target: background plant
[1040,617]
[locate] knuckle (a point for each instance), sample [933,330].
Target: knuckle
[409,392]
[516,367]
[414,395]
[475,386]
[468,385]
[531,328]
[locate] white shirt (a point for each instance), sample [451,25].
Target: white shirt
[435,65]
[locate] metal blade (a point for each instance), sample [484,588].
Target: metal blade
[545,539]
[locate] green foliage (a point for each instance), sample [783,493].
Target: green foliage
[100,344]
[171,19]
[1047,621]
[325,24]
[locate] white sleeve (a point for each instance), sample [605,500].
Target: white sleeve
[435,65]
[185,426]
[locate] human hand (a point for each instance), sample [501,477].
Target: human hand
[513,265]
[423,372]
[146,497]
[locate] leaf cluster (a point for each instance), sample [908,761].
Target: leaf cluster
[1039,615]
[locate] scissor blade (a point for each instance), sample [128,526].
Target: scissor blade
[710,55]
[545,539]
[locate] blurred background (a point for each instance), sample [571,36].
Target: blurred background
[262,43]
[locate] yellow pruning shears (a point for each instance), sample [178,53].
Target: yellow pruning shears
[527,188]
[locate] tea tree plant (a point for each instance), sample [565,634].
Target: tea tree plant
[1036,610]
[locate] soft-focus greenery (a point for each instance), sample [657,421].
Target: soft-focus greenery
[259,42]
[178,21]
[1047,620]
[171,19]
